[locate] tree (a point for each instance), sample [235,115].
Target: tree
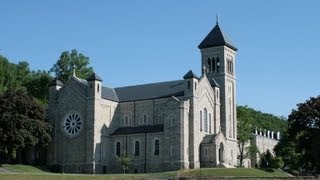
[304,133]
[22,122]
[267,160]
[38,85]
[125,161]
[13,76]
[63,67]
[245,130]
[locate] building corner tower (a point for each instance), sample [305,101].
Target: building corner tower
[218,56]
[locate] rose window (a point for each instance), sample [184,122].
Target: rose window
[72,124]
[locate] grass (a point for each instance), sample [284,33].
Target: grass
[247,172]
[20,168]
[25,172]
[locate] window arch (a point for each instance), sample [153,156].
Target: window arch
[218,64]
[200,120]
[156,147]
[213,64]
[205,119]
[209,64]
[137,148]
[118,149]
[98,87]
[145,119]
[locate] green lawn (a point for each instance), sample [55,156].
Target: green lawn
[20,168]
[25,172]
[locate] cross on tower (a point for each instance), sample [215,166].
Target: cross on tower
[204,70]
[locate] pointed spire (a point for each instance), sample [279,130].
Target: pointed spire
[216,37]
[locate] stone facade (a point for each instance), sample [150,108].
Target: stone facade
[188,123]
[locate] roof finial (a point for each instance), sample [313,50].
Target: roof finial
[217,19]
[74,70]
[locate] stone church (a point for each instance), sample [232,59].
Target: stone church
[164,126]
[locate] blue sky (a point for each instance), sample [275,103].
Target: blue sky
[143,41]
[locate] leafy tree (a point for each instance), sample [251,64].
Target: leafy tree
[38,85]
[264,120]
[245,130]
[12,76]
[286,149]
[125,161]
[304,134]
[267,160]
[22,122]
[63,68]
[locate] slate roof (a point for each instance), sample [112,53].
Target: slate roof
[190,75]
[150,91]
[109,93]
[216,38]
[142,92]
[214,83]
[208,138]
[93,77]
[138,129]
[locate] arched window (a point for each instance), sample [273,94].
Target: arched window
[118,149]
[145,119]
[210,123]
[137,148]
[189,84]
[156,147]
[200,120]
[230,118]
[205,119]
[98,87]
[209,65]
[195,86]
[126,120]
[213,64]
[218,64]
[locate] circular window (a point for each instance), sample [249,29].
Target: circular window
[72,124]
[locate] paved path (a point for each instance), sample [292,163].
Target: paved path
[2,170]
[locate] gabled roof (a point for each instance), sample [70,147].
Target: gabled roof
[190,75]
[138,129]
[141,92]
[150,91]
[94,77]
[55,82]
[216,38]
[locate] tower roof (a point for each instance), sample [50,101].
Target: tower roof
[190,75]
[94,77]
[55,82]
[216,38]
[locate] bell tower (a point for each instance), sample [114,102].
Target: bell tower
[218,56]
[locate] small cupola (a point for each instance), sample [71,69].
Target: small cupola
[54,87]
[191,82]
[94,77]
[94,85]
[56,82]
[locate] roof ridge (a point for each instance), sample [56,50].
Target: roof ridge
[148,84]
